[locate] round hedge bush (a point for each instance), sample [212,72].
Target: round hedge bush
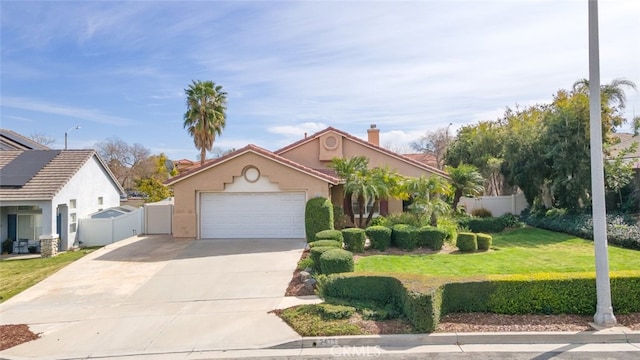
[318,216]
[336,261]
[354,239]
[335,235]
[484,241]
[329,243]
[404,236]
[316,252]
[379,237]
[467,242]
[432,237]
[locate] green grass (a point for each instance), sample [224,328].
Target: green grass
[521,251]
[18,275]
[307,321]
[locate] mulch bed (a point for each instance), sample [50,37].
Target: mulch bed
[296,287]
[13,335]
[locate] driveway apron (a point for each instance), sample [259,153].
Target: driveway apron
[154,294]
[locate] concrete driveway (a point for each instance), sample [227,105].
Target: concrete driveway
[154,294]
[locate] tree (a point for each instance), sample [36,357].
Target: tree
[384,183]
[152,184]
[434,143]
[126,162]
[427,195]
[42,139]
[206,114]
[466,181]
[613,98]
[636,125]
[347,169]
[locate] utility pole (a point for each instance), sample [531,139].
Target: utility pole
[604,311]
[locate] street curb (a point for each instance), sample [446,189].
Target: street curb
[413,340]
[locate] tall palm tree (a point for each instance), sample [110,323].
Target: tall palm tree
[465,180]
[612,93]
[385,183]
[206,114]
[347,170]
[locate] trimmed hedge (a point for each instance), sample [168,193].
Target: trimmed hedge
[336,261]
[467,242]
[404,236]
[484,241]
[482,225]
[316,252]
[424,300]
[329,243]
[431,237]
[481,213]
[318,216]
[354,239]
[379,237]
[335,235]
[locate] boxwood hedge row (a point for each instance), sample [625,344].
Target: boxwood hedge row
[424,300]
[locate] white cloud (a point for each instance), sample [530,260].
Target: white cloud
[68,111]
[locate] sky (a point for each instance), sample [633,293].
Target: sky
[119,69]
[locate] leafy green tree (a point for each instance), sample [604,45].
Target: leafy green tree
[618,173]
[206,114]
[466,181]
[152,185]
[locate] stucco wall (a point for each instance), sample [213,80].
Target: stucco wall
[186,192]
[86,186]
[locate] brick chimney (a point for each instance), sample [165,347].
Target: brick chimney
[373,134]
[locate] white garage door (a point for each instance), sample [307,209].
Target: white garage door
[252,215]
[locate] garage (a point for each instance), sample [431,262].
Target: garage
[252,215]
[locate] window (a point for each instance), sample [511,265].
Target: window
[72,222]
[368,207]
[100,200]
[72,204]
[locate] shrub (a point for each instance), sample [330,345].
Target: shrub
[431,237]
[424,300]
[482,225]
[402,218]
[330,243]
[318,216]
[336,261]
[316,252]
[335,312]
[340,220]
[510,221]
[379,237]
[404,236]
[481,213]
[354,239]
[484,241]
[467,242]
[335,235]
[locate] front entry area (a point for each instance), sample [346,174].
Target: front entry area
[252,215]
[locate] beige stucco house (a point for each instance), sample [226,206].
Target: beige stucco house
[253,192]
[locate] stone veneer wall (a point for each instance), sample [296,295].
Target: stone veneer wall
[49,245]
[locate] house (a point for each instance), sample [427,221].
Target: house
[626,141]
[254,192]
[10,140]
[183,165]
[46,192]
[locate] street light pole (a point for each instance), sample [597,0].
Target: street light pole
[604,311]
[66,135]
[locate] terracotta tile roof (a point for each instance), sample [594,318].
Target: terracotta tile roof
[427,159]
[51,177]
[11,140]
[364,143]
[258,150]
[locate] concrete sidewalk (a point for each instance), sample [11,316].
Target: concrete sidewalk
[151,295]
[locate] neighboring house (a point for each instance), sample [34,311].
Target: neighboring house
[253,192]
[183,165]
[46,192]
[428,159]
[10,140]
[626,141]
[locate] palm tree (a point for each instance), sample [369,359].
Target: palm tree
[612,93]
[427,195]
[206,114]
[465,180]
[385,183]
[347,169]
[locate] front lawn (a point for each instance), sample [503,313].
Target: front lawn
[18,275]
[521,251]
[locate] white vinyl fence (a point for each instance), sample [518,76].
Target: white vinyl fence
[498,205]
[103,231]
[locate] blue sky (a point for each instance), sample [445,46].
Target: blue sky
[119,69]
